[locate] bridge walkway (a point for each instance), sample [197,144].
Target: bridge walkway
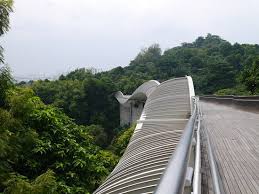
[234,137]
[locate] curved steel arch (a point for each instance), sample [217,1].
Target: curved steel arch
[141,93]
[166,112]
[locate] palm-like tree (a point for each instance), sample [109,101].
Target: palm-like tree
[5,9]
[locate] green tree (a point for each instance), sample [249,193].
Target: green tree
[87,100]
[5,76]
[43,184]
[150,54]
[36,137]
[120,143]
[250,77]
[6,82]
[5,9]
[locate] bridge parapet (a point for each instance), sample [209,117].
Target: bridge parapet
[250,103]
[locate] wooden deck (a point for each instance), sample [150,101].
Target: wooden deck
[206,179]
[234,135]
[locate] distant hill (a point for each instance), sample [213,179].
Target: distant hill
[213,62]
[216,66]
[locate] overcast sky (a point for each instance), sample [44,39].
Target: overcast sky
[49,37]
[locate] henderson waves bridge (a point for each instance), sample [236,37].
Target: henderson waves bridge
[186,144]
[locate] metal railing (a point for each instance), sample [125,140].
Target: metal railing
[197,168]
[173,179]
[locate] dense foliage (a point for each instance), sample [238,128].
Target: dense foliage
[121,141]
[36,137]
[250,77]
[214,64]
[87,100]
[5,9]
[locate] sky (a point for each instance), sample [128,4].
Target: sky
[50,37]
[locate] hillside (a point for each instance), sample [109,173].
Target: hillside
[213,62]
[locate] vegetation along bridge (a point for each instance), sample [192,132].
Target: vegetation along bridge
[186,144]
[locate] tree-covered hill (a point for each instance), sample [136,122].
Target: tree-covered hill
[213,62]
[216,66]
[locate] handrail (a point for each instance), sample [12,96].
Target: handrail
[173,179]
[197,172]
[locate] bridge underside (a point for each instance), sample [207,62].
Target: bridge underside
[234,138]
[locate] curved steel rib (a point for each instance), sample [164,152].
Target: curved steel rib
[158,131]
